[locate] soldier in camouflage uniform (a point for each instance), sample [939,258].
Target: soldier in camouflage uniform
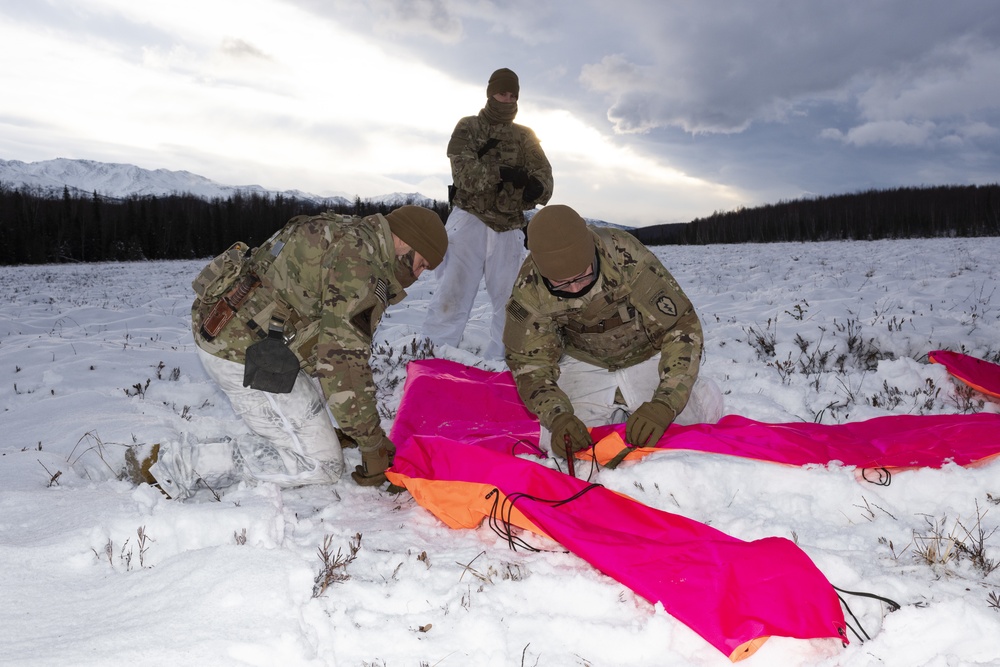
[319,287]
[499,171]
[595,321]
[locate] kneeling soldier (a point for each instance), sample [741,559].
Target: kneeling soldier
[598,332]
[286,332]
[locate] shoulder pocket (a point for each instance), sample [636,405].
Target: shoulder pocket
[221,273]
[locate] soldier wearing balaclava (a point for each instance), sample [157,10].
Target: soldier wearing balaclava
[499,171]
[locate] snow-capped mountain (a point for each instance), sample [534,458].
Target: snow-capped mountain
[117,181]
[113,180]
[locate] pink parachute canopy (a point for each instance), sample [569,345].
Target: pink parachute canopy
[977,373]
[455,431]
[734,594]
[473,405]
[457,428]
[469,404]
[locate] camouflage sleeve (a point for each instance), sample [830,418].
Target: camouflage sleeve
[470,173]
[534,349]
[537,165]
[680,358]
[680,350]
[343,349]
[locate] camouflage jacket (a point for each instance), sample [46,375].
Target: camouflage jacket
[478,188]
[334,276]
[634,311]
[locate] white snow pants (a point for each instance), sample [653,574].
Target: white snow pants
[591,390]
[293,440]
[474,252]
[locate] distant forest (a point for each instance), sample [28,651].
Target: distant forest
[39,229]
[876,214]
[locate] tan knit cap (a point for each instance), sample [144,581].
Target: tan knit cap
[503,81]
[561,245]
[421,229]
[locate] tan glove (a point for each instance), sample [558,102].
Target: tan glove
[567,429]
[647,423]
[374,462]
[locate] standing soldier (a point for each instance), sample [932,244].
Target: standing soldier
[499,171]
[631,338]
[286,332]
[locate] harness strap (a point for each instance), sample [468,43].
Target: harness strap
[608,324]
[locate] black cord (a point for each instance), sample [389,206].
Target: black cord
[884,477]
[893,606]
[499,520]
[851,627]
[503,527]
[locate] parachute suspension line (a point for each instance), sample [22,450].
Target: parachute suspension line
[554,502]
[594,467]
[851,627]
[500,523]
[882,476]
[893,606]
[499,520]
[531,447]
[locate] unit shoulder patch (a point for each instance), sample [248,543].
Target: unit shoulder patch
[665,304]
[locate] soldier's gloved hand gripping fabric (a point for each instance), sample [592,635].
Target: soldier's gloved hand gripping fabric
[648,423]
[569,435]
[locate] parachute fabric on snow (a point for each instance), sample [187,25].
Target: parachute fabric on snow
[896,441]
[472,405]
[444,397]
[734,594]
[981,375]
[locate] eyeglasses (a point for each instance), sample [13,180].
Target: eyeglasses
[585,278]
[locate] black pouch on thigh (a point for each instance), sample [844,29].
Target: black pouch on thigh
[270,366]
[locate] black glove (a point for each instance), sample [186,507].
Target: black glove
[374,462]
[533,190]
[569,435]
[516,176]
[647,424]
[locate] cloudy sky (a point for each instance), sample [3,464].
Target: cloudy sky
[649,111]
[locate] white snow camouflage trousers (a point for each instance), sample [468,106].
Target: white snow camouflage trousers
[591,390]
[293,440]
[474,252]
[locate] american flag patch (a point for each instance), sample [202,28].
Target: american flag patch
[517,311]
[382,291]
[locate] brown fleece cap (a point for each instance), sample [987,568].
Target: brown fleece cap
[503,81]
[561,245]
[421,229]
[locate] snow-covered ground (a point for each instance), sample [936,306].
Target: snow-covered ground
[94,358]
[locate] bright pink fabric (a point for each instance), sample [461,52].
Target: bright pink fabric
[472,405]
[444,397]
[896,441]
[457,423]
[977,373]
[729,591]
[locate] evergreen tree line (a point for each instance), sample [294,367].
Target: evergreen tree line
[875,214]
[36,228]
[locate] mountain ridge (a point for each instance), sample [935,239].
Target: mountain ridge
[115,180]
[121,180]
